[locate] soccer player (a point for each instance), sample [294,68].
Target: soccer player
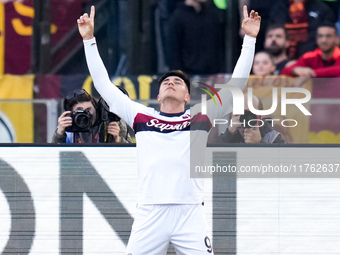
[170,202]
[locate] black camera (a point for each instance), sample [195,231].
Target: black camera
[106,115]
[81,121]
[250,119]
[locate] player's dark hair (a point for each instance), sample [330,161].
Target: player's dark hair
[177,73]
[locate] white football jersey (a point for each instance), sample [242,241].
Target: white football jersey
[163,140]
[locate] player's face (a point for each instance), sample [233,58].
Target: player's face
[263,65]
[326,39]
[86,106]
[174,88]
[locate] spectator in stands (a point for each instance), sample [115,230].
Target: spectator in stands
[301,18]
[263,64]
[276,43]
[163,13]
[88,126]
[253,130]
[338,23]
[324,61]
[197,38]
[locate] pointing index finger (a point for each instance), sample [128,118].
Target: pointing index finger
[92,13]
[245,12]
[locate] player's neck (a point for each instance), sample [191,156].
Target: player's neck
[170,106]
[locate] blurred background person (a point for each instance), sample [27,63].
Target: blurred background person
[276,43]
[324,62]
[196,38]
[263,64]
[82,122]
[301,19]
[163,13]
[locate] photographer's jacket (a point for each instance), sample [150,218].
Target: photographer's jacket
[163,140]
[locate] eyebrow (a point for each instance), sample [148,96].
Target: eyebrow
[176,79]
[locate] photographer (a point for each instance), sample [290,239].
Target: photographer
[254,134]
[83,122]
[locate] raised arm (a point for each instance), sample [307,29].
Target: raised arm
[95,64]
[251,27]
[119,103]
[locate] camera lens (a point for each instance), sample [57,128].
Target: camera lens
[82,120]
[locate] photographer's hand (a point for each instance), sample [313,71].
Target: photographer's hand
[252,135]
[86,25]
[113,129]
[234,124]
[64,121]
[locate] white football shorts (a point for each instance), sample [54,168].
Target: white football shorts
[156,226]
